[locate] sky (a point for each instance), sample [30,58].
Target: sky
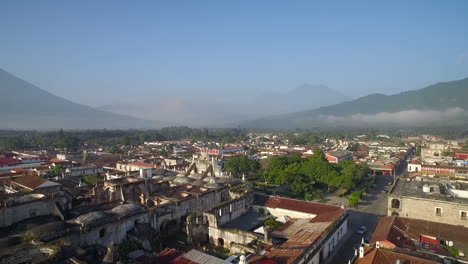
[151,52]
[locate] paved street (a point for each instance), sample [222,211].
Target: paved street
[373,206]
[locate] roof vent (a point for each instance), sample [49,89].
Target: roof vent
[426,188]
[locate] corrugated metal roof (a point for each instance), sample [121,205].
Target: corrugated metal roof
[200,257]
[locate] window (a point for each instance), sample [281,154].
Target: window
[463,215]
[395,203]
[102,232]
[438,211]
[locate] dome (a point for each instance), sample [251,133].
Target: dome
[198,183]
[127,209]
[212,185]
[169,178]
[89,218]
[209,179]
[183,180]
[196,176]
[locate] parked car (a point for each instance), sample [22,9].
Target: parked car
[361,230]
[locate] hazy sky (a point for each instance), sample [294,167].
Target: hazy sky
[95,52]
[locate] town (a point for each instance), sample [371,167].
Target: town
[182,195]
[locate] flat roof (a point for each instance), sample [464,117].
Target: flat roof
[414,188]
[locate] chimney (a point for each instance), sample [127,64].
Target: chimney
[361,252]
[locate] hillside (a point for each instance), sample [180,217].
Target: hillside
[302,98]
[25,106]
[436,105]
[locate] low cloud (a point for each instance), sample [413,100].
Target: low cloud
[407,117]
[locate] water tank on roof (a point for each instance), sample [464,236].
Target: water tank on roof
[426,188]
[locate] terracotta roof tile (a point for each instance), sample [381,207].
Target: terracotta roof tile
[325,213]
[30,181]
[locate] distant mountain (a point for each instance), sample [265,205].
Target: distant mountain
[25,106]
[436,105]
[302,98]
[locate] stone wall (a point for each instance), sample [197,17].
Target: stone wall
[226,237]
[21,206]
[424,209]
[228,211]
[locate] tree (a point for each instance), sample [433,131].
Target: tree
[353,147]
[57,170]
[71,143]
[241,165]
[125,140]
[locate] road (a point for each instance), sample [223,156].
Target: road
[370,210]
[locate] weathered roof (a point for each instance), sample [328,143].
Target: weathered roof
[127,208]
[413,228]
[30,181]
[325,213]
[382,256]
[92,217]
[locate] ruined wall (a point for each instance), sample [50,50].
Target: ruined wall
[225,237]
[12,214]
[109,232]
[230,210]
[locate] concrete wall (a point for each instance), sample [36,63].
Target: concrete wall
[426,210]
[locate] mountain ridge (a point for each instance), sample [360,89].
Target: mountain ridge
[446,101]
[26,106]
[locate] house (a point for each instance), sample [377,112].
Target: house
[173,256]
[407,235]
[84,171]
[461,154]
[374,255]
[33,182]
[337,156]
[414,165]
[441,201]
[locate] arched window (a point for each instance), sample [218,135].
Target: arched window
[221,242]
[395,203]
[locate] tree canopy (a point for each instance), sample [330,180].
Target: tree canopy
[241,165]
[300,174]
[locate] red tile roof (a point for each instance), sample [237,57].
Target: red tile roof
[408,229]
[142,164]
[382,256]
[30,181]
[325,213]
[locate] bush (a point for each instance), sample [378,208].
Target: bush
[357,195]
[353,201]
[128,246]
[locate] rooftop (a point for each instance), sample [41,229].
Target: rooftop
[436,189]
[381,256]
[405,233]
[323,212]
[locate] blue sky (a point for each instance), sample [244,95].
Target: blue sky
[94,52]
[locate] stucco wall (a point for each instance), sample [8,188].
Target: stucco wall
[425,210]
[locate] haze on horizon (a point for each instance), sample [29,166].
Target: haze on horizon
[183,60]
